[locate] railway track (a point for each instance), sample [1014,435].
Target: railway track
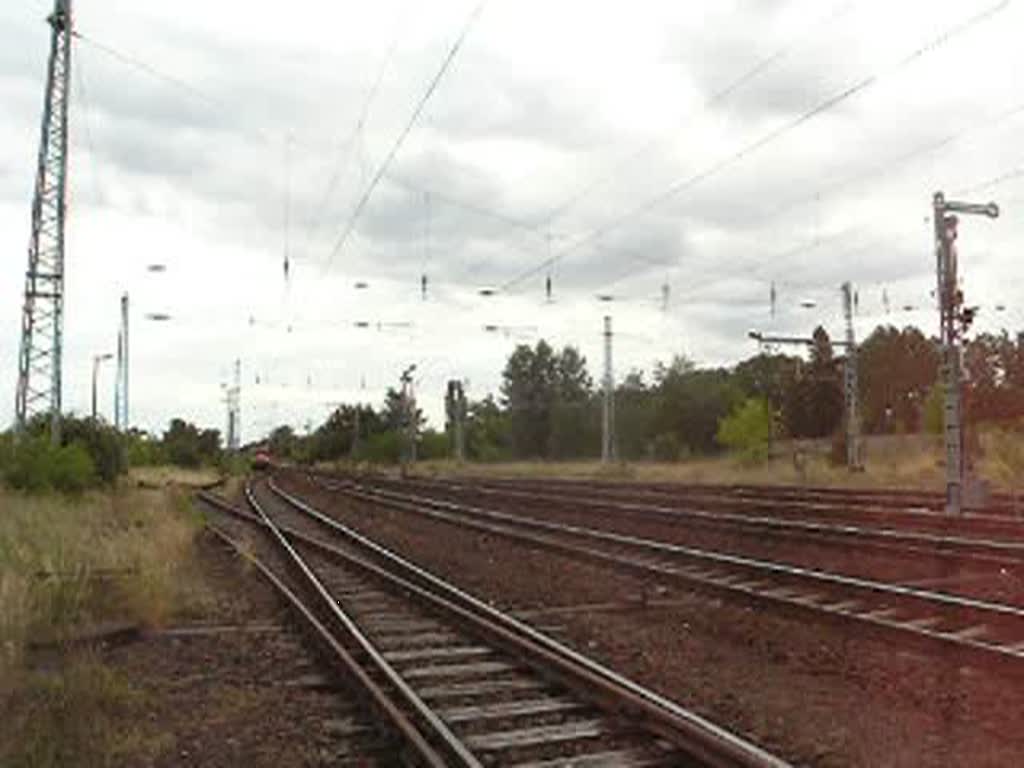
[1000,504]
[978,632]
[887,539]
[894,507]
[458,682]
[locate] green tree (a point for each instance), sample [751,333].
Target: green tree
[897,368]
[747,430]
[813,405]
[487,431]
[690,401]
[547,395]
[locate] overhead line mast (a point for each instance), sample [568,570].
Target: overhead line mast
[42,318]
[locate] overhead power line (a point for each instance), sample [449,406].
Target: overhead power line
[343,162]
[413,119]
[759,68]
[771,136]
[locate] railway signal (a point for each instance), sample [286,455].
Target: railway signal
[954,320]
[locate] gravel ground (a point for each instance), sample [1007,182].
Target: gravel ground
[812,693]
[948,573]
[238,685]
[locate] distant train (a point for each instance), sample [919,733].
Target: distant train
[261,460]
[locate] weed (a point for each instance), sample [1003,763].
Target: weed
[78,714]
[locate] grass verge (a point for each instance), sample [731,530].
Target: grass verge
[68,565]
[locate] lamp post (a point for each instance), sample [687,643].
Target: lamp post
[96,360]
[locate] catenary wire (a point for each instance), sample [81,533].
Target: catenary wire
[766,139]
[400,140]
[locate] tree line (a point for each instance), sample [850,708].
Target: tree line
[549,406]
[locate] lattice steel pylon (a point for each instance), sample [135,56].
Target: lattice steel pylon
[42,319]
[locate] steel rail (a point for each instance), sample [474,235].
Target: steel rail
[699,737]
[782,569]
[1000,506]
[876,619]
[913,542]
[451,743]
[378,698]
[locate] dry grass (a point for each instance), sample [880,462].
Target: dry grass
[919,467]
[78,713]
[915,463]
[168,475]
[65,563]
[69,564]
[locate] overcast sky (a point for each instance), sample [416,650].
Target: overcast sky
[641,144]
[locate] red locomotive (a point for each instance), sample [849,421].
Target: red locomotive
[261,460]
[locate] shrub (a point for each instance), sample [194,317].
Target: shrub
[666,447]
[102,443]
[382,448]
[34,465]
[434,445]
[747,431]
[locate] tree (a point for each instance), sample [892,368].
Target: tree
[897,369]
[487,431]
[767,376]
[635,414]
[690,402]
[546,396]
[187,446]
[747,430]
[813,405]
[283,442]
[334,439]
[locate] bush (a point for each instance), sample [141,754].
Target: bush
[747,431]
[434,445]
[35,465]
[382,448]
[103,444]
[666,447]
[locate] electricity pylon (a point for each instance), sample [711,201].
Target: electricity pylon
[42,317]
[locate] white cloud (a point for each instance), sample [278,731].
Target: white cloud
[544,99]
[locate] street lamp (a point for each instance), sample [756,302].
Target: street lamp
[96,360]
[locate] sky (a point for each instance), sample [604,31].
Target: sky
[628,152]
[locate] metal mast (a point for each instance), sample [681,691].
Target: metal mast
[42,319]
[608,410]
[121,385]
[234,403]
[954,321]
[455,403]
[854,460]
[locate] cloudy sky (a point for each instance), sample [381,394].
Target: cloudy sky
[616,148]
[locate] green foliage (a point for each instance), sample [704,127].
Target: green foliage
[690,401]
[103,444]
[666,447]
[433,445]
[188,446]
[897,370]
[487,431]
[382,448]
[143,450]
[747,431]
[547,397]
[813,404]
[635,417]
[79,715]
[35,465]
